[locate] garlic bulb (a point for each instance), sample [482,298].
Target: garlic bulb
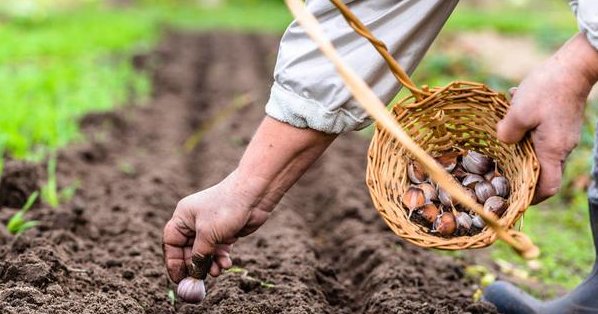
[191,290]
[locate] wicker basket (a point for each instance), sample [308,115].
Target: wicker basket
[462,115]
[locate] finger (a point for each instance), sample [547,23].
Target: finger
[549,182]
[215,270]
[222,257]
[174,239]
[175,265]
[224,262]
[512,91]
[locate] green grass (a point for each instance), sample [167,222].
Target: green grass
[510,20]
[549,22]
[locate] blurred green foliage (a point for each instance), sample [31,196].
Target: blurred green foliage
[60,62]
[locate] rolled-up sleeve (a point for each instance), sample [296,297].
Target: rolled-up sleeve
[308,93]
[586,12]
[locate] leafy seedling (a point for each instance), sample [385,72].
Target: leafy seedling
[171,297]
[17,224]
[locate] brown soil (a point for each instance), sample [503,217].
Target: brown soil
[325,250]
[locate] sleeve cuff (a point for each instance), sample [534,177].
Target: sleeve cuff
[289,107]
[586,13]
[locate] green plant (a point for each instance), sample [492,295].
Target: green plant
[50,189]
[51,195]
[171,297]
[17,224]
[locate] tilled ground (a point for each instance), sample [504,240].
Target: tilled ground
[324,250]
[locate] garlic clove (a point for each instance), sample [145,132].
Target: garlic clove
[459,172]
[471,180]
[478,222]
[495,205]
[445,224]
[416,173]
[413,199]
[445,198]
[501,185]
[464,221]
[430,193]
[429,212]
[191,290]
[484,190]
[477,163]
[449,160]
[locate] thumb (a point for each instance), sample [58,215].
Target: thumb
[549,183]
[511,129]
[516,123]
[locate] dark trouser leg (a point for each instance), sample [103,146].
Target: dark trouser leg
[583,299]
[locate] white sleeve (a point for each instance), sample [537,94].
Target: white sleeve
[586,12]
[308,93]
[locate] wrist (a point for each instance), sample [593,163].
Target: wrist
[580,59]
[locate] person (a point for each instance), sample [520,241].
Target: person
[309,107]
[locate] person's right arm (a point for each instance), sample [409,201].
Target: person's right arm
[208,222]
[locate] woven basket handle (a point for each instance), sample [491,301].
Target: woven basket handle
[375,108]
[379,45]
